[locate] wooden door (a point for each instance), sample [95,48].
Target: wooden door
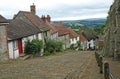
[20,48]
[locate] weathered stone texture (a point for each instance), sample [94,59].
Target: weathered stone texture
[112,36]
[3,44]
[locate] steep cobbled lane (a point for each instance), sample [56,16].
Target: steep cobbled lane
[68,65]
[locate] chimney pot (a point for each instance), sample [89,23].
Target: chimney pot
[33,9]
[48,18]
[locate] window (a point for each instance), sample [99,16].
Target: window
[76,38]
[37,37]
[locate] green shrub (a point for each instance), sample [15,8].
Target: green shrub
[58,46]
[27,49]
[33,47]
[79,45]
[46,53]
[49,45]
[72,46]
[76,46]
[52,46]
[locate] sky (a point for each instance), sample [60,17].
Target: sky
[58,9]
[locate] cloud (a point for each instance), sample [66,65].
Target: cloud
[57,9]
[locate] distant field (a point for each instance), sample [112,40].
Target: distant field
[76,29]
[96,23]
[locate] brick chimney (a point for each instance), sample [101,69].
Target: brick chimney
[43,18]
[33,9]
[48,18]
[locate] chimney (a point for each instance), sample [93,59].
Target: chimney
[43,18]
[48,18]
[33,9]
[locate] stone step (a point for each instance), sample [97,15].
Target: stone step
[26,57]
[22,55]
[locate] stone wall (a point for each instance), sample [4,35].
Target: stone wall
[3,44]
[112,31]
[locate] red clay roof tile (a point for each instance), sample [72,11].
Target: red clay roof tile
[82,38]
[53,29]
[73,34]
[36,21]
[61,29]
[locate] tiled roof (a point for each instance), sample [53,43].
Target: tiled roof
[53,29]
[73,34]
[2,19]
[61,29]
[18,29]
[82,38]
[89,35]
[36,21]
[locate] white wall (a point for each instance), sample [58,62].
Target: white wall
[74,40]
[92,44]
[13,52]
[30,38]
[65,40]
[40,36]
[84,45]
[54,36]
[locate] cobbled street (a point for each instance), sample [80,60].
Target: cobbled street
[68,65]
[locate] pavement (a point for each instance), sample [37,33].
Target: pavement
[66,65]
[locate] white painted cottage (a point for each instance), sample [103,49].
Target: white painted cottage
[91,37]
[74,37]
[25,26]
[18,33]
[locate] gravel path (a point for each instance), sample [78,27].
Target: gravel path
[68,65]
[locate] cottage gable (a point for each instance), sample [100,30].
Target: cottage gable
[53,28]
[89,35]
[82,38]
[72,33]
[61,29]
[3,21]
[34,19]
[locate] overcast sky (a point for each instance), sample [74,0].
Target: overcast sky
[58,9]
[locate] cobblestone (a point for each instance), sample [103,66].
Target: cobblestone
[75,64]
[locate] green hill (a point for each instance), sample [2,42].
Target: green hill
[94,22]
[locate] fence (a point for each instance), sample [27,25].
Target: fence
[104,66]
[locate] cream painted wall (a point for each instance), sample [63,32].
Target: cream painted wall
[13,52]
[74,40]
